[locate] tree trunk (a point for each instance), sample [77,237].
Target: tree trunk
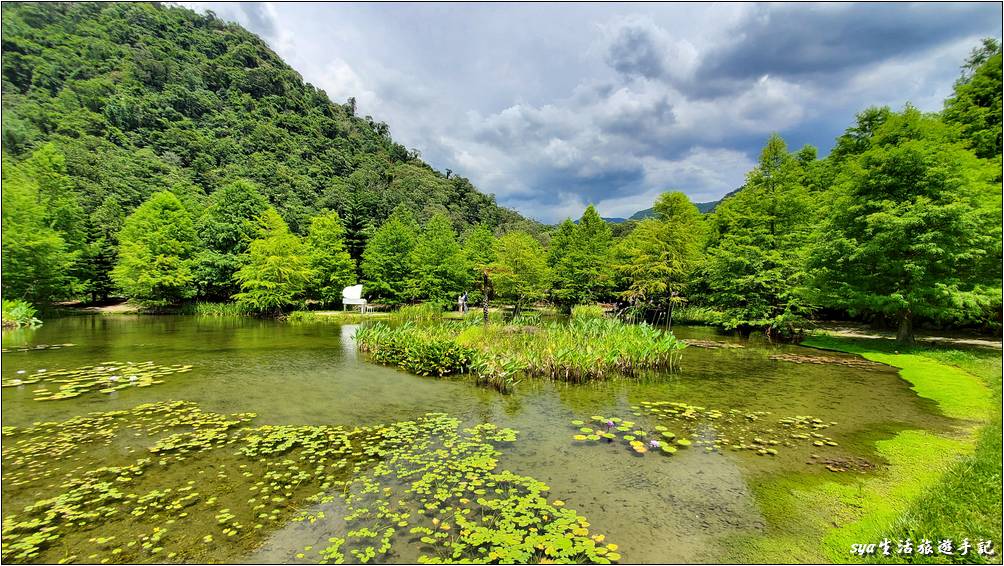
[484,292]
[905,333]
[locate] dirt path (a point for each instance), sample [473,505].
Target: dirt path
[959,338]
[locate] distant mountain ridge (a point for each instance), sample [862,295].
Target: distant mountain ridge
[704,207]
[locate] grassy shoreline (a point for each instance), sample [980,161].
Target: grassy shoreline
[936,486]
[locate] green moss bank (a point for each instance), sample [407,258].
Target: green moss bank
[935,486]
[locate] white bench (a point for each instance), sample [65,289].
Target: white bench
[354,296]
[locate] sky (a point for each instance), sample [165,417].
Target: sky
[551,107]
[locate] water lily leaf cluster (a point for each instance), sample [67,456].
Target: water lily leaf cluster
[666,426]
[108,377]
[165,482]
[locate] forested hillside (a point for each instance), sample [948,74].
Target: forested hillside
[115,102]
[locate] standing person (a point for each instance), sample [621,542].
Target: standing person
[460,303]
[464,299]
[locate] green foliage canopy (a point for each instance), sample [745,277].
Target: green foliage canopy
[658,258]
[581,260]
[277,270]
[157,247]
[386,263]
[438,268]
[227,227]
[36,259]
[756,252]
[914,228]
[332,266]
[520,273]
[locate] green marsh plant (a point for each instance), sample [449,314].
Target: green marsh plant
[18,313]
[581,350]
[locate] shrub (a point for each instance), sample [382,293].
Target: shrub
[19,313]
[422,351]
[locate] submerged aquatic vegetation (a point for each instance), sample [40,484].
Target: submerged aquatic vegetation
[712,429]
[856,362]
[37,348]
[579,351]
[108,377]
[194,486]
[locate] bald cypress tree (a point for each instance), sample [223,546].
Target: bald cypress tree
[914,228]
[276,270]
[581,259]
[157,247]
[755,266]
[439,271]
[386,263]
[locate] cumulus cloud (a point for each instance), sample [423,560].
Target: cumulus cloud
[638,47]
[552,108]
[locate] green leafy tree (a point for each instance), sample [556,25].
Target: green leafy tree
[582,263]
[914,228]
[479,248]
[102,248]
[36,261]
[659,257]
[63,212]
[479,251]
[386,262]
[975,104]
[227,227]
[277,269]
[333,267]
[561,242]
[520,273]
[61,209]
[157,247]
[755,264]
[439,269]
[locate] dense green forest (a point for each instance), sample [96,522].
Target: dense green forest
[165,156]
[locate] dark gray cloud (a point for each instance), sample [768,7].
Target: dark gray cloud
[552,107]
[636,50]
[826,43]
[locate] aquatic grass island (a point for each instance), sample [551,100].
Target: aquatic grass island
[597,311]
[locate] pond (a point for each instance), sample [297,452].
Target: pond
[656,508]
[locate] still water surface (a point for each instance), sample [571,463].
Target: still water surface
[659,509]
